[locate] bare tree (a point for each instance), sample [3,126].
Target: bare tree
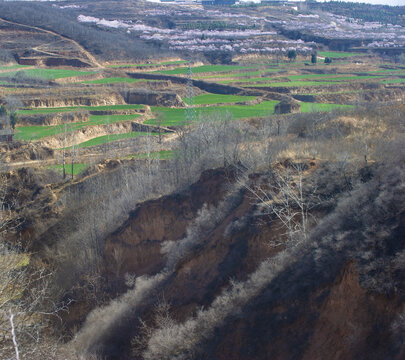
[284,196]
[26,299]
[159,119]
[161,320]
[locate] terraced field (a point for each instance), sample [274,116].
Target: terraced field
[291,84]
[176,117]
[38,132]
[11,67]
[393,81]
[176,62]
[338,54]
[204,69]
[113,137]
[258,78]
[74,108]
[48,74]
[112,80]
[319,107]
[207,99]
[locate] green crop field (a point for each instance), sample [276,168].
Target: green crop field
[352,77]
[112,80]
[113,137]
[47,74]
[338,54]
[319,107]
[333,92]
[76,108]
[175,117]
[48,110]
[393,81]
[147,65]
[310,76]
[16,66]
[204,69]
[38,132]
[294,84]
[77,168]
[235,74]
[387,71]
[206,99]
[250,80]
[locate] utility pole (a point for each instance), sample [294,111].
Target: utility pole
[190,115]
[64,152]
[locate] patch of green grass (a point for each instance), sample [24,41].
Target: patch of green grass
[38,132]
[10,67]
[319,107]
[386,71]
[333,92]
[48,74]
[218,99]
[74,108]
[77,168]
[112,80]
[48,110]
[352,77]
[309,76]
[113,137]
[176,117]
[204,69]
[114,107]
[338,54]
[250,80]
[146,65]
[393,81]
[231,75]
[293,84]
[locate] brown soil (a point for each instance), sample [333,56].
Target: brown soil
[139,238]
[18,152]
[53,51]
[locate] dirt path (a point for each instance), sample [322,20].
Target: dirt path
[81,48]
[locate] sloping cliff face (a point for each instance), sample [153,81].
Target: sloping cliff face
[135,246]
[339,295]
[339,320]
[343,299]
[69,97]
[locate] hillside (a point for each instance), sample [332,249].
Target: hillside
[190,182]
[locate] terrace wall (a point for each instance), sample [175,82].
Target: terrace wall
[203,85]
